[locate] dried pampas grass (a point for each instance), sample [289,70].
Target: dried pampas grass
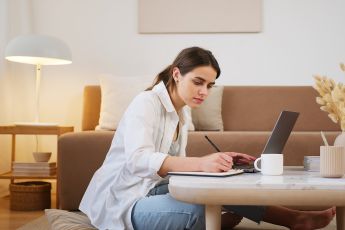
[332,97]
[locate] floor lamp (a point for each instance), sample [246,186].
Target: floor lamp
[38,50]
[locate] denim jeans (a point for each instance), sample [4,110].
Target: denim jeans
[158,210]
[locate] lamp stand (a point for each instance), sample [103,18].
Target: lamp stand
[38,83]
[37,97]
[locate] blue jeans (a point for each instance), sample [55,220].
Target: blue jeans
[158,210]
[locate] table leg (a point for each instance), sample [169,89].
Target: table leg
[13,153]
[213,217]
[340,218]
[57,197]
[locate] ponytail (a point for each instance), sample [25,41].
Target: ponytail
[164,76]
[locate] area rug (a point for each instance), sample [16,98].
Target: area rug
[41,223]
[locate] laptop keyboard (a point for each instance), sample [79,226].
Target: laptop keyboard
[246,168]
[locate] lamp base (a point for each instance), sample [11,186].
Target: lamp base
[35,124]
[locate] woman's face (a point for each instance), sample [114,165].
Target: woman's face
[193,87]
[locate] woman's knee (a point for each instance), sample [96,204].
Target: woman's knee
[196,218]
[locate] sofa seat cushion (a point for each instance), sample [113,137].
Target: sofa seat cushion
[299,144]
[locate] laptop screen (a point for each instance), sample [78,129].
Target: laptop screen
[281,132]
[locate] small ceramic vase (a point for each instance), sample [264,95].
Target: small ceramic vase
[340,140]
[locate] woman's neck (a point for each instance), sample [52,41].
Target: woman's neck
[176,100]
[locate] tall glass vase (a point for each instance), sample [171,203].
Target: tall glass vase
[340,140]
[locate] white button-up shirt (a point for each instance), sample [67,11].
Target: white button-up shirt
[139,147]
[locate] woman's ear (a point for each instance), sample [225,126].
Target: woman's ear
[176,74]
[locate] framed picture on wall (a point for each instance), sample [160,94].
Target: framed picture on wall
[199,16]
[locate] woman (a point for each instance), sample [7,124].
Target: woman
[129,190]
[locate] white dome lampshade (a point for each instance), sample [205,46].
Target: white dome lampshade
[38,50]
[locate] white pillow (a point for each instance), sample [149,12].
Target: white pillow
[208,117]
[117,93]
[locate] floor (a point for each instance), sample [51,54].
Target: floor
[10,220]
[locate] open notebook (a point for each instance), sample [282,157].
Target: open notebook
[208,174]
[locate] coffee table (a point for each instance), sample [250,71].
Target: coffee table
[295,187]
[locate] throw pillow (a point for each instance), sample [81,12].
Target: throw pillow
[64,220]
[208,117]
[117,93]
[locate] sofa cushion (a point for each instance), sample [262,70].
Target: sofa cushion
[64,220]
[208,117]
[116,94]
[256,108]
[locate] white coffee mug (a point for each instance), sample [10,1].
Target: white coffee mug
[271,164]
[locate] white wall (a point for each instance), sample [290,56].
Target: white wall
[299,38]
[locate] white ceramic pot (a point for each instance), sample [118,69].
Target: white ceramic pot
[340,140]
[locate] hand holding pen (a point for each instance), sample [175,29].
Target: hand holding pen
[238,158]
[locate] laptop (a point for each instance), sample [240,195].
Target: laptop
[278,138]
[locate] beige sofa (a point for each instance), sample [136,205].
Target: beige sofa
[249,114]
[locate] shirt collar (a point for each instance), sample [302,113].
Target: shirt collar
[164,96]
[162,92]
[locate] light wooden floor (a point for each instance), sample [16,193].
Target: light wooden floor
[10,220]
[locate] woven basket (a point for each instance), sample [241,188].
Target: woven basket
[30,195]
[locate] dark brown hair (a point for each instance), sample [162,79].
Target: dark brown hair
[187,60]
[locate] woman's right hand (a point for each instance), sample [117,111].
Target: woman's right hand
[223,161]
[216,162]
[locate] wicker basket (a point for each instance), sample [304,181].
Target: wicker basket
[30,195]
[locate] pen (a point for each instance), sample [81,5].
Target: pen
[214,146]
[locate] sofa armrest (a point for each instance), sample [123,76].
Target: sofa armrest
[80,154]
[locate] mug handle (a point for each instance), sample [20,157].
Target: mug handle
[256,164]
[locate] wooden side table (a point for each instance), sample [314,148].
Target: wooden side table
[31,130]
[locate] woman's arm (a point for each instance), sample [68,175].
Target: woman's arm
[215,162]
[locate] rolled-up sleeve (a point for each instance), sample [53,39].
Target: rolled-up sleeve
[142,123]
